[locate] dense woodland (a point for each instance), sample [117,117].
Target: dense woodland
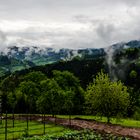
[79,86]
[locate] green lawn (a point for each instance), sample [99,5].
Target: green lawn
[123,122]
[35,128]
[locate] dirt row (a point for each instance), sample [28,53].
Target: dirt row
[133,133]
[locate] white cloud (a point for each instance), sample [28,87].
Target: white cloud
[68,23]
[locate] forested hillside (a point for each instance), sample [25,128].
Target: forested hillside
[124,66]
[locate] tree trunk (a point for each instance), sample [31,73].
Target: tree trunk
[44,123]
[70,120]
[6,126]
[108,119]
[42,118]
[13,119]
[1,118]
[27,120]
[55,119]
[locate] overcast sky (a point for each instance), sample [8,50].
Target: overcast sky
[68,23]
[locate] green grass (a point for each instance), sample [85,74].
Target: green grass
[17,68]
[51,130]
[35,128]
[123,122]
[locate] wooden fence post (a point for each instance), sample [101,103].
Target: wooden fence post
[27,120]
[0,109]
[13,117]
[44,123]
[6,126]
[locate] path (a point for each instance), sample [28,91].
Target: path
[133,133]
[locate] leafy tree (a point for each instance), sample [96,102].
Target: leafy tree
[65,79]
[107,98]
[68,105]
[12,101]
[4,101]
[22,102]
[71,84]
[133,74]
[8,84]
[134,101]
[30,89]
[50,100]
[35,76]
[132,53]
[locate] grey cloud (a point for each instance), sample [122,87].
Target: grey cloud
[105,31]
[3,39]
[55,9]
[104,22]
[132,2]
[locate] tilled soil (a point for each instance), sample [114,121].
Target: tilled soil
[133,133]
[79,124]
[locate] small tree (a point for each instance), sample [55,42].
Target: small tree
[107,98]
[71,84]
[50,100]
[12,101]
[30,89]
[68,103]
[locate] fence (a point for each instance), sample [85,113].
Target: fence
[15,127]
[0,109]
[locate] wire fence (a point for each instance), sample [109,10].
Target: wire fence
[23,125]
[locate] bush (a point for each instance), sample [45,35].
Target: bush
[136,115]
[81,135]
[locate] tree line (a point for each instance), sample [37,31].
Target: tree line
[62,93]
[36,93]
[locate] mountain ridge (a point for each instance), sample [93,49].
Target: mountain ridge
[17,58]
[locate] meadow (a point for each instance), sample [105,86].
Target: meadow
[35,128]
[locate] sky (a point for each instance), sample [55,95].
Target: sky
[68,23]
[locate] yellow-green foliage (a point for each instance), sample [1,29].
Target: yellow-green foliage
[107,98]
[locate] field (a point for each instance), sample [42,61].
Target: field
[35,128]
[52,131]
[83,126]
